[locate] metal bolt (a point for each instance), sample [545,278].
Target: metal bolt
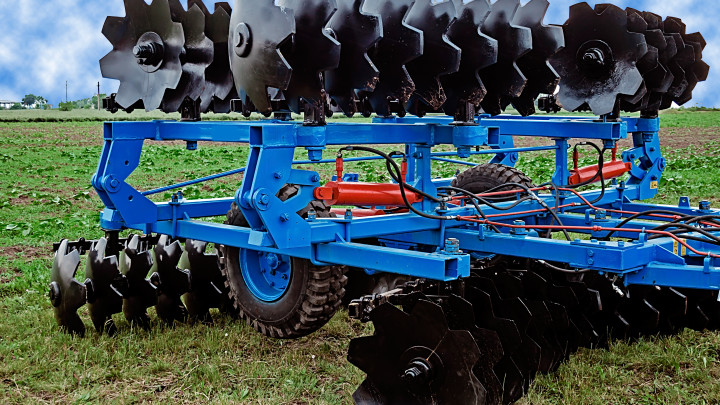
[55,294]
[452,246]
[284,277]
[277,175]
[594,57]
[265,199]
[316,179]
[284,218]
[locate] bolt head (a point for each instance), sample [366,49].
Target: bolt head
[55,294]
[242,39]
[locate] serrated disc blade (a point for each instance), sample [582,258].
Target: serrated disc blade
[440,55]
[400,44]
[172,282]
[257,30]
[135,265]
[143,78]
[598,63]
[198,53]
[358,31]
[504,79]
[312,52]
[105,300]
[546,41]
[205,290]
[218,75]
[401,338]
[66,293]
[478,51]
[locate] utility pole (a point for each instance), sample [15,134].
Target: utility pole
[99,96]
[66,91]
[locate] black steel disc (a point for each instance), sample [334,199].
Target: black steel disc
[197,55]
[440,56]
[219,85]
[171,282]
[599,60]
[205,290]
[104,298]
[67,294]
[478,52]
[617,327]
[416,359]
[312,51]
[461,316]
[547,40]
[258,28]
[504,79]
[400,44]
[696,71]
[358,31]
[507,371]
[140,293]
[147,45]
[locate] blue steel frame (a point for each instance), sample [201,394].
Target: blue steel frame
[411,245]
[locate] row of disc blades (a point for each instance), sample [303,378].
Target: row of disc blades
[486,344]
[397,56]
[182,284]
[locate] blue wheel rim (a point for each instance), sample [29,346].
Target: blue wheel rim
[267,275]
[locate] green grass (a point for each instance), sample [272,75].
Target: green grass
[45,196]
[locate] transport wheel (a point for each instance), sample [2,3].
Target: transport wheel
[281,296]
[486,177]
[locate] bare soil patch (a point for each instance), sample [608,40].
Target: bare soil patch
[670,138]
[25,252]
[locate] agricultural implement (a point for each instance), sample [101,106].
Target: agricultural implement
[485,279]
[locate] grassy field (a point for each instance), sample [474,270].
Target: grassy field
[45,196]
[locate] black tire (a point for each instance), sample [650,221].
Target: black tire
[489,176]
[313,295]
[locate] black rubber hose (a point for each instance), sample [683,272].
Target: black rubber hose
[639,215]
[401,182]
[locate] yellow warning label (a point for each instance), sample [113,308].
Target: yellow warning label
[653,185]
[678,249]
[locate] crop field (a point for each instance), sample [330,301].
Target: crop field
[45,196]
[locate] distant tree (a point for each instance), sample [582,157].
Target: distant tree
[95,99]
[29,99]
[17,106]
[67,106]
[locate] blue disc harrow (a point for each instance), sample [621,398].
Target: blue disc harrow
[475,283]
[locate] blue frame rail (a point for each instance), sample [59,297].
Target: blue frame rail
[411,244]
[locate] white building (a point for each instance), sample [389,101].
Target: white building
[6,104]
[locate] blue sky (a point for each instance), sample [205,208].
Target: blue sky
[46,43]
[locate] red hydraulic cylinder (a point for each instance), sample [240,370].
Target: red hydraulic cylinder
[612,169]
[365,194]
